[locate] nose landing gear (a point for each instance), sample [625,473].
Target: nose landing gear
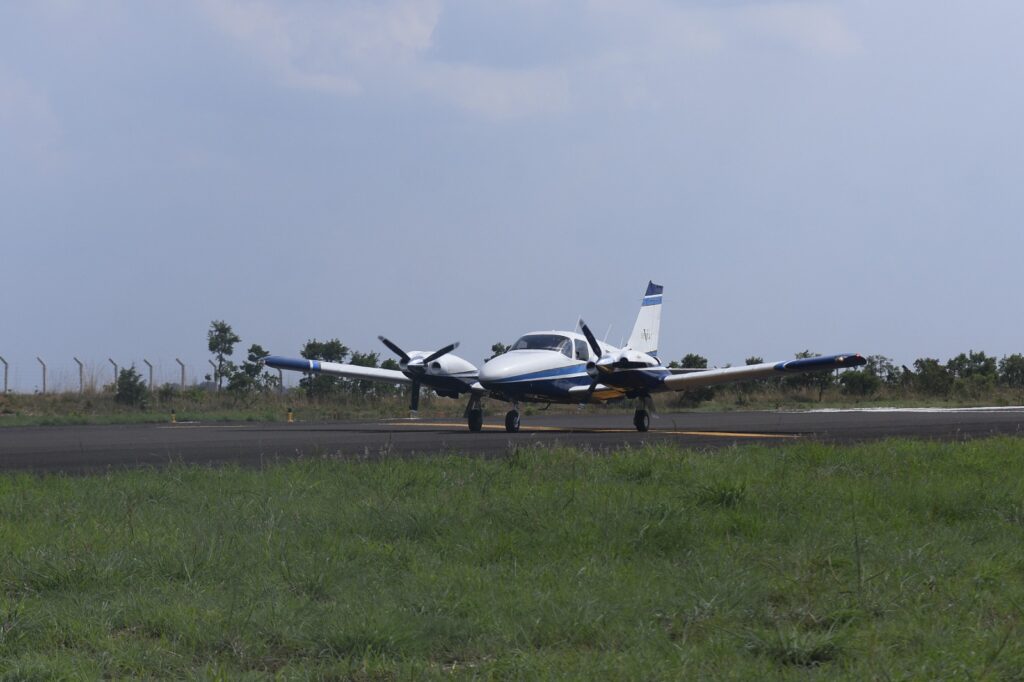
[475,413]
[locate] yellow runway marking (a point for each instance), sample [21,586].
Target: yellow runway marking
[185,425]
[499,427]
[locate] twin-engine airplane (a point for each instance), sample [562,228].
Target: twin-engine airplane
[562,367]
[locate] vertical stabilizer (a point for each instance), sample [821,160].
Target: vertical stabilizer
[648,323]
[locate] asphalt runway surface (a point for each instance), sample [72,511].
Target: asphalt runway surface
[92,448]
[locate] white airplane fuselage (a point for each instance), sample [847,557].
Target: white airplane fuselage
[534,374]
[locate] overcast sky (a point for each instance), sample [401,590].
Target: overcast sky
[833,176]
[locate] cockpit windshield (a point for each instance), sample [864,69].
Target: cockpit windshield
[553,342]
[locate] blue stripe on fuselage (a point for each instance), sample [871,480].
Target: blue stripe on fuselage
[544,374]
[651,300]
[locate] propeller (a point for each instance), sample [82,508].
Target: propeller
[417,367]
[438,353]
[602,362]
[605,363]
[592,368]
[395,349]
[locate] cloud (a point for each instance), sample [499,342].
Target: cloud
[340,48]
[816,28]
[349,49]
[602,48]
[498,93]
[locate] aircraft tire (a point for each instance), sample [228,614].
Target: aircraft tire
[641,420]
[512,421]
[476,420]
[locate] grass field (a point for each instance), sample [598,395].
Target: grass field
[892,560]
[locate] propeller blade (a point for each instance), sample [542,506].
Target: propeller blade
[414,397]
[395,349]
[438,353]
[591,339]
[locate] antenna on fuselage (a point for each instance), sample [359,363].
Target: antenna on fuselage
[605,339]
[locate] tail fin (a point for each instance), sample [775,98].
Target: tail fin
[648,323]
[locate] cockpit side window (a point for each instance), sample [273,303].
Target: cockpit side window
[582,351]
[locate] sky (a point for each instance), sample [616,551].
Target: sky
[831,176]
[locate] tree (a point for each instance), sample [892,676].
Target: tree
[498,349]
[320,385]
[972,365]
[1011,371]
[252,376]
[860,382]
[883,368]
[331,351]
[974,374]
[131,388]
[931,378]
[694,361]
[221,340]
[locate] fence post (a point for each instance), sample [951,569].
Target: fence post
[81,376]
[111,360]
[5,374]
[44,372]
[214,375]
[148,364]
[182,364]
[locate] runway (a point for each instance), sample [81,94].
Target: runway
[91,448]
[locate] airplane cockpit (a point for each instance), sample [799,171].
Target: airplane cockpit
[555,342]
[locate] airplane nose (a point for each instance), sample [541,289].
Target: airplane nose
[495,370]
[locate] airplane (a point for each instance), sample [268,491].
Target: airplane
[564,367]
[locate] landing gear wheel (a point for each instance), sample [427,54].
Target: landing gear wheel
[641,420]
[512,421]
[476,420]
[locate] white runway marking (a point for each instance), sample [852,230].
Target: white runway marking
[925,410]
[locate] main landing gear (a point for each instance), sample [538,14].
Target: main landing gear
[512,421]
[642,416]
[475,414]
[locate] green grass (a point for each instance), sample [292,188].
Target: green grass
[890,560]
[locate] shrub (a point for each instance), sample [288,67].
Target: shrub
[131,388]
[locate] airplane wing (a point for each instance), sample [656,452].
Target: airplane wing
[339,369]
[766,370]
